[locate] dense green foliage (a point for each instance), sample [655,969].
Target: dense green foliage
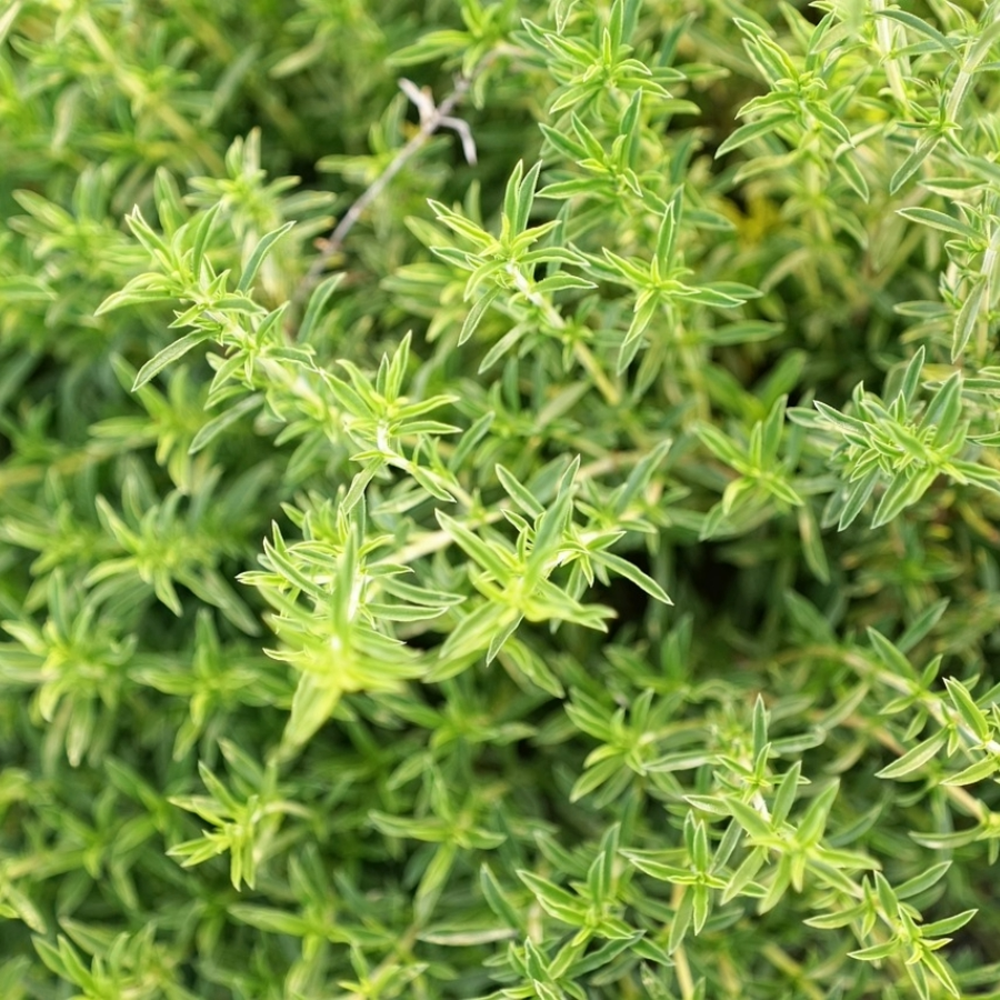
[338,659]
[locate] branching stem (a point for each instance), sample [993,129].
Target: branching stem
[432,118]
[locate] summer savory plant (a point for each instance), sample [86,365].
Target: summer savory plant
[499,500]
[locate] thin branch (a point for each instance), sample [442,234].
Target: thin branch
[432,118]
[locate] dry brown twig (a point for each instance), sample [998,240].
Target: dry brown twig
[432,118]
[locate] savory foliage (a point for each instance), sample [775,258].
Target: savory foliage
[519,591]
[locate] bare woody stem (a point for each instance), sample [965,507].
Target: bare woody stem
[432,118]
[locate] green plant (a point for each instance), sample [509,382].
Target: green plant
[556,558]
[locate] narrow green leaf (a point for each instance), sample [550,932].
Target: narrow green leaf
[913,760]
[746,133]
[271,920]
[666,240]
[920,883]
[202,234]
[525,198]
[972,715]
[858,496]
[968,317]
[523,497]
[851,172]
[749,819]
[168,356]
[904,490]
[218,424]
[631,572]
[317,303]
[487,555]
[948,925]
[260,252]
[922,27]
[897,663]
[724,448]
[980,771]
[557,902]
[812,544]
[912,163]
[875,952]
[939,220]
[477,312]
